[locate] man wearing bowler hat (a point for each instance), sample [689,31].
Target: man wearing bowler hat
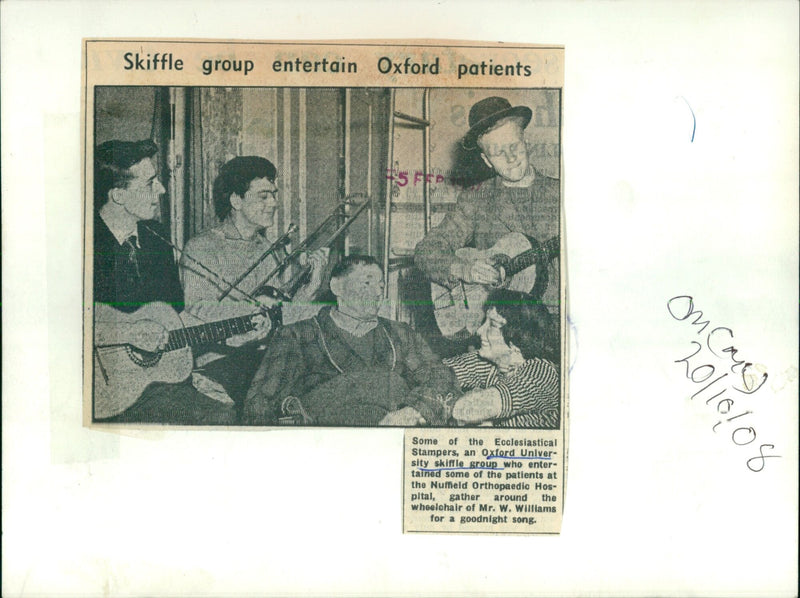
[518,199]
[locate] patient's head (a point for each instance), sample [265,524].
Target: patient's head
[514,322]
[357,283]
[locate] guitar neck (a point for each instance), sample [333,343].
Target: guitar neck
[531,256]
[213,332]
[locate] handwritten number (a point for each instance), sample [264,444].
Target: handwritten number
[751,431]
[686,359]
[681,308]
[761,458]
[711,373]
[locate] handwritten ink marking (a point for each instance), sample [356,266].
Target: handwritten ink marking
[688,311]
[694,119]
[715,396]
[708,385]
[458,468]
[761,457]
[486,468]
[711,355]
[511,457]
[573,335]
[403,178]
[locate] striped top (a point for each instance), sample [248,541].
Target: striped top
[529,394]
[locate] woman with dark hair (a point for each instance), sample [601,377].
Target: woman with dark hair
[512,380]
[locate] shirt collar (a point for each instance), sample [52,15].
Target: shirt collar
[121,235]
[535,175]
[355,326]
[230,231]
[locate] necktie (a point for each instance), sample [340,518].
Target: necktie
[130,245]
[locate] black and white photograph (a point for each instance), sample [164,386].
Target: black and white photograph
[326,256]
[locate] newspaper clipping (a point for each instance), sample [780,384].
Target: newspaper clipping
[337,234]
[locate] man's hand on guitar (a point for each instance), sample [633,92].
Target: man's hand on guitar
[476,272]
[262,325]
[147,335]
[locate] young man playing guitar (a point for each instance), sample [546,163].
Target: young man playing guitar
[518,200]
[137,294]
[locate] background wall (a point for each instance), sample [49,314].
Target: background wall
[124,113]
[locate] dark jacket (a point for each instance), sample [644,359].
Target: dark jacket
[126,285]
[390,367]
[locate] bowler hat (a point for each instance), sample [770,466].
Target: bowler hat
[486,113]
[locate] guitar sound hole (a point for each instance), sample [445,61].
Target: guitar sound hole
[143,359]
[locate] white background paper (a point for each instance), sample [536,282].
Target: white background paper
[656,504]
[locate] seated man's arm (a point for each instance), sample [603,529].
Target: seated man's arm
[434,385]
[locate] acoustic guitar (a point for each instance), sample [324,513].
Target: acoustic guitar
[516,256]
[122,372]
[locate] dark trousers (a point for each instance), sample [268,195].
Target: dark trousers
[177,404]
